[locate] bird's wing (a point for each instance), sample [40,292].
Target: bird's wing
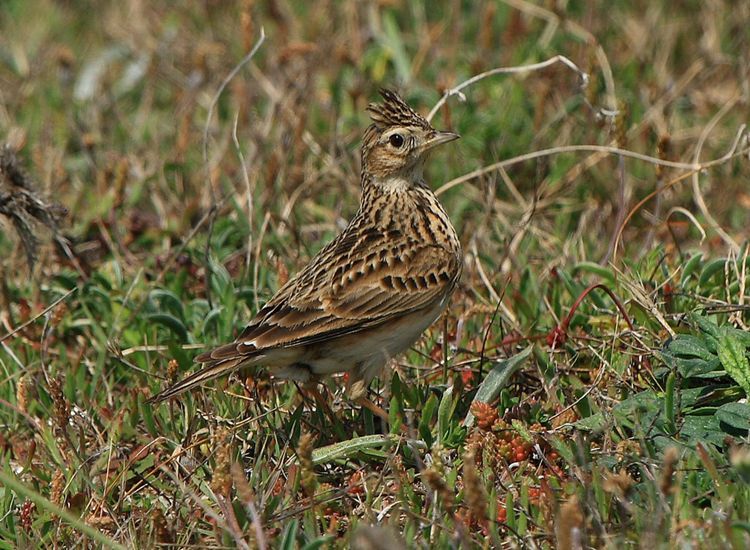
[359,281]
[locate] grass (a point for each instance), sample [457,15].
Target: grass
[586,388]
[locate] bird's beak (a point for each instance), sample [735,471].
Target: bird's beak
[438,139]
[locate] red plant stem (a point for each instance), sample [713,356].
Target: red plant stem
[615,299]
[563,327]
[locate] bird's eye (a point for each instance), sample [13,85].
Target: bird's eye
[397,140]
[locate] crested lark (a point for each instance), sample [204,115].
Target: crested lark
[371,292]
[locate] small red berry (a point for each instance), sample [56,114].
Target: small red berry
[502,514]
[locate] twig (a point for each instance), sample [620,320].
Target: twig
[38,315]
[456,90]
[585,394]
[697,196]
[733,152]
[248,193]
[23,206]
[223,85]
[157,348]
[489,326]
[583,33]
[187,491]
[634,287]
[233,526]
[214,206]
[15,408]
[690,216]
[566,322]
[246,497]
[599,149]
[622,199]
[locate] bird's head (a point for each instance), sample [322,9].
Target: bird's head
[398,140]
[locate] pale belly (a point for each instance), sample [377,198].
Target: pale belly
[367,352]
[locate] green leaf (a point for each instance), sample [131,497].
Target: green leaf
[9,482]
[699,368]
[592,423]
[732,356]
[427,414]
[707,325]
[742,336]
[574,288]
[167,300]
[510,507]
[318,543]
[392,42]
[496,379]
[642,409]
[691,266]
[394,415]
[445,412]
[689,397]
[148,415]
[221,280]
[213,316]
[290,535]
[172,323]
[693,356]
[702,429]
[711,269]
[602,272]
[562,449]
[349,448]
[736,415]
[520,427]
[396,390]
[645,402]
[669,403]
[691,346]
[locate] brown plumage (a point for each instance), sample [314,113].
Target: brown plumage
[371,292]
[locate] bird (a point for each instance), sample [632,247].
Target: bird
[371,292]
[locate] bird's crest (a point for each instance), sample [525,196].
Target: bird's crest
[394,111]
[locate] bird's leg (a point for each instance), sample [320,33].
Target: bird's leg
[357,391]
[322,403]
[310,388]
[363,401]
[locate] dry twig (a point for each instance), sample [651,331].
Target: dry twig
[22,205]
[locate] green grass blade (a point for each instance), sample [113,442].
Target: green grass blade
[19,488]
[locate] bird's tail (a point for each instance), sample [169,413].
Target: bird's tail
[207,373]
